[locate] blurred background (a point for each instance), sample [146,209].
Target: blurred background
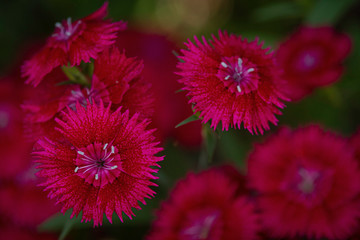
[158,27]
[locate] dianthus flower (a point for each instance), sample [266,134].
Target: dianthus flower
[205,206]
[104,163]
[310,58]
[233,81]
[308,182]
[71,43]
[116,79]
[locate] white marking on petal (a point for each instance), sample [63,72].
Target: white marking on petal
[238,88]
[105,146]
[240,62]
[250,70]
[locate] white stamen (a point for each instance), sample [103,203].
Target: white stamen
[114,167]
[76,169]
[250,70]
[96,176]
[81,153]
[105,146]
[238,88]
[240,62]
[224,65]
[58,25]
[112,149]
[227,77]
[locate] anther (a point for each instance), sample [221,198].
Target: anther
[114,167]
[238,88]
[105,146]
[227,77]
[112,149]
[250,70]
[81,153]
[240,62]
[96,176]
[76,169]
[224,65]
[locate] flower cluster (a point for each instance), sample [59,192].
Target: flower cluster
[88,114]
[82,137]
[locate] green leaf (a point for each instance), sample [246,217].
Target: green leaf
[75,75]
[328,11]
[88,68]
[192,118]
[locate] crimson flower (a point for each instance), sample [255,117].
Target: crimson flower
[312,57]
[205,206]
[308,183]
[233,81]
[104,163]
[73,42]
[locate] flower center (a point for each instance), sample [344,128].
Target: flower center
[202,224]
[238,74]
[307,182]
[82,96]
[99,164]
[63,31]
[308,60]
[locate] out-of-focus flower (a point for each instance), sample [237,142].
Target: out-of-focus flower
[116,79]
[25,204]
[159,67]
[308,183]
[205,206]
[14,150]
[233,81]
[71,43]
[104,163]
[310,58]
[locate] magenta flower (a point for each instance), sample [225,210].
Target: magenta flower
[308,184]
[233,81]
[104,163]
[205,206]
[312,57]
[72,42]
